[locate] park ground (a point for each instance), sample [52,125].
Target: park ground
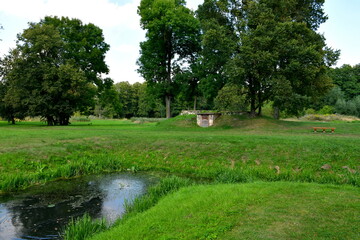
[255,178]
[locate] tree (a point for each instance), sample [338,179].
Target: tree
[85,45]
[7,111]
[218,46]
[127,98]
[46,77]
[278,54]
[348,79]
[108,102]
[231,98]
[171,44]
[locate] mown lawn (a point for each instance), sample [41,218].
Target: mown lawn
[248,211]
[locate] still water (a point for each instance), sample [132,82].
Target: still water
[41,212]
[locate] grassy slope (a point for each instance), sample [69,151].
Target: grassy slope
[248,211]
[30,153]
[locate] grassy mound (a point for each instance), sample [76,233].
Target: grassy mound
[248,211]
[182,121]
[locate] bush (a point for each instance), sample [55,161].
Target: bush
[327,110]
[356,104]
[310,111]
[351,107]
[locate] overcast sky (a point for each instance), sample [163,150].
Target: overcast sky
[120,24]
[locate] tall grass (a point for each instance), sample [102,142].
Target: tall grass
[83,228]
[85,165]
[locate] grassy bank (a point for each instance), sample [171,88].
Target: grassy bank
[248,211]
[234,151]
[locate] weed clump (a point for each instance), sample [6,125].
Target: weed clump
[232,176]
[83,228]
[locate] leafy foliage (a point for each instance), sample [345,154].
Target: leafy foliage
[171,44]
[231,98]
[348,79]
[271,49]
[53,69]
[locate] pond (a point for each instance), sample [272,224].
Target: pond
[41,212]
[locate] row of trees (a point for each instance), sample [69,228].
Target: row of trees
[268,48]
[228,55]
[125,100]
[137,100]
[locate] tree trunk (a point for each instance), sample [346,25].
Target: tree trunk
[169,52]
[50,120]
[252,93]
[259,110]
[276,113]
[259,102]
[168,104]
[63,120]
[195,102]
[12,120]
[252,105]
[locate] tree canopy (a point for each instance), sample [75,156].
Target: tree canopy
[55,69]
[172,41]
[348,79]
[272,49]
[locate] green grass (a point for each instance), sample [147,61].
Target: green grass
[248,211]
[84,227]
[235,150]
[258,149]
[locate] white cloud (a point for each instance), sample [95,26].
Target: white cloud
[193,4]
[118,19]
[99,12]
[120,24]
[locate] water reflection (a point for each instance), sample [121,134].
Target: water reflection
[42,211]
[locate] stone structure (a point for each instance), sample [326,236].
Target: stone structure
[206,119]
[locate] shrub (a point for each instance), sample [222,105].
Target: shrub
[310,111]
[351,107]
[327,110]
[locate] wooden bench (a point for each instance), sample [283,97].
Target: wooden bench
[324,129]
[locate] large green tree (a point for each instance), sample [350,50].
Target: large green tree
[172,41]
[48,77]
[85,45]
[278,54]
[218,46]
[8,111]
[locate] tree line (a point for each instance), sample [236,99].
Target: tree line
[227,55]
[268,49]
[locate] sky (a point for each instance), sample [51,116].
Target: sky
[121,27]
